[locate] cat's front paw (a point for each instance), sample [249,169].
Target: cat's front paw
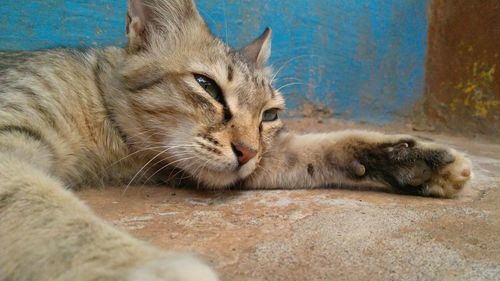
[417,167]
[174,268]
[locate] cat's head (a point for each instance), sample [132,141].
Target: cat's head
[196,103]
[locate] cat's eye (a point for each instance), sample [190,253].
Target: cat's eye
[270,115]
[210,87]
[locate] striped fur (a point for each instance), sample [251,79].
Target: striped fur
[73,118]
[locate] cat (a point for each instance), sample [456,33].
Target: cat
[176,98]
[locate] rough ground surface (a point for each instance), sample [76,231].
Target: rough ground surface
[327,234]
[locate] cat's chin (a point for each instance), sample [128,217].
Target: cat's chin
[217,179]
[221,179]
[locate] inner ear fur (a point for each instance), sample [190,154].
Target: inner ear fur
[259,51]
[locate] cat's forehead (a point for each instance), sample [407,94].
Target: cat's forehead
[222,59]
[249,84]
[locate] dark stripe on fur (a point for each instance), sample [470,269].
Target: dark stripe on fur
[39,77]
[273,94]
[23,130]
[230,73]
[13,107]
[209,148]
[146,85]
[109,113]
[36,104]
[310,169]
[29,133]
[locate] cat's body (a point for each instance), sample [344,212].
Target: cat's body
[176,99]
[55,94]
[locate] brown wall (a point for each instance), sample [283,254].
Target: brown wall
[463,66]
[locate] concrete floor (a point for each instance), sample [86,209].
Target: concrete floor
[325,234]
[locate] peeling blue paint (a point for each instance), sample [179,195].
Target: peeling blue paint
[363,59]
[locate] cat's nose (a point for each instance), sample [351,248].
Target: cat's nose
[243,153]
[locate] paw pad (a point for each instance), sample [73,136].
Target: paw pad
[358,169]
[466,172]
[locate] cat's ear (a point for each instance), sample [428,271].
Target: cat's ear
[138,15]
[149,20]
[259,51]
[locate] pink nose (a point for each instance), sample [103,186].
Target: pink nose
[243,153]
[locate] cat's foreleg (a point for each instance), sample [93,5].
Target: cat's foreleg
[46,233]
[350,157]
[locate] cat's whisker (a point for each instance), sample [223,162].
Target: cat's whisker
[287,63]
[197,172]
[225,18]
[167,158]
[291,79]
[181,170]
[162,160]
[288,85]
[144,166]
[140,170]
[167,165]
[142,150]
[135,152]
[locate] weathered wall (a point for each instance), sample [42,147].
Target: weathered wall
[463,66]
[359,59]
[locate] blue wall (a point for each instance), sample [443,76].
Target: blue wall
[362,59]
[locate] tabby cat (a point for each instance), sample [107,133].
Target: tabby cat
[175,99]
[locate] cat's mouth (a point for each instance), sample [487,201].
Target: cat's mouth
[213,164]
